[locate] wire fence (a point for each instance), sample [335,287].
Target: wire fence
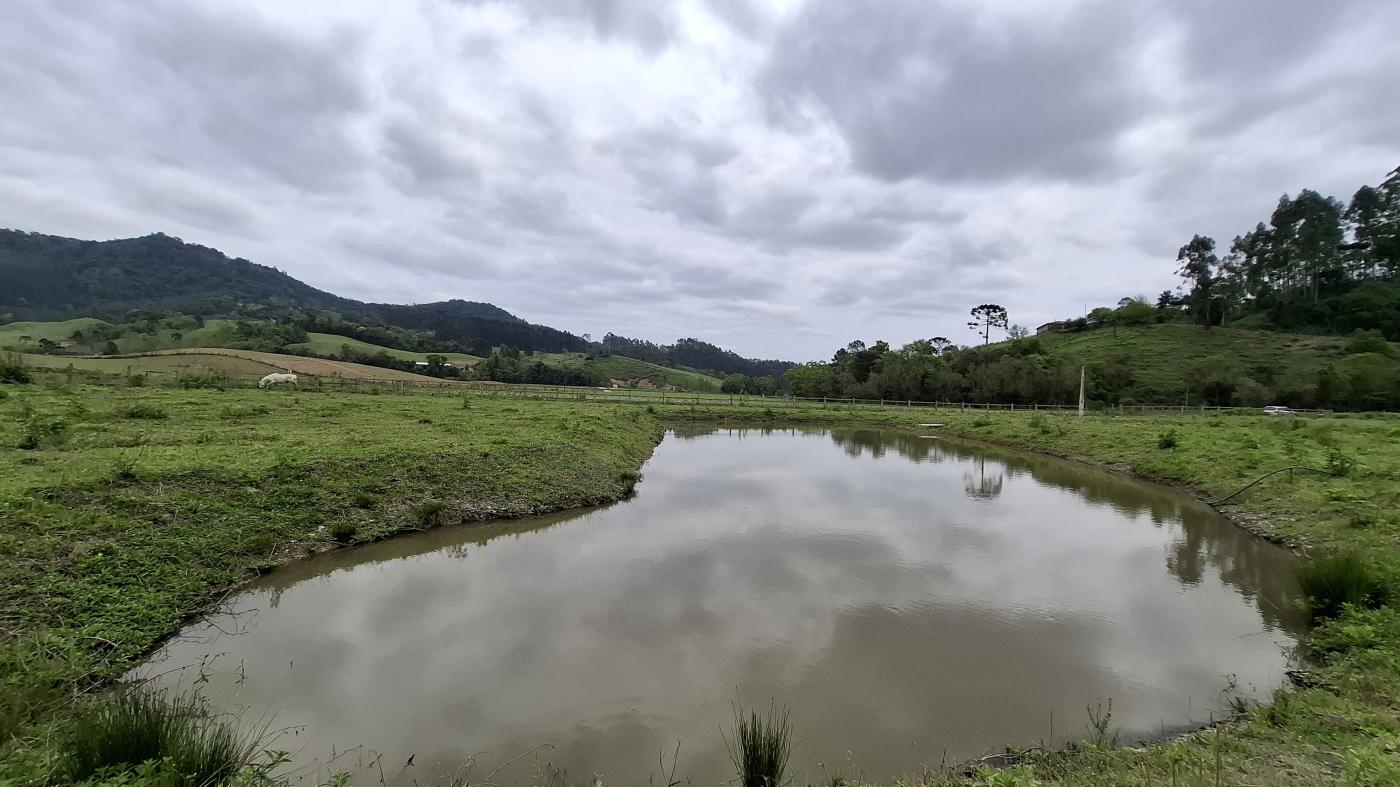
[332,383]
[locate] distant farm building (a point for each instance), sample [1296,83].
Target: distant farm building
[1058,325]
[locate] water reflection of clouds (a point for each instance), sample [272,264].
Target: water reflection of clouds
[872,597]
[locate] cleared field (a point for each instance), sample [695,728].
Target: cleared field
[330,344]
[219,360]
[173,363]
[26,335]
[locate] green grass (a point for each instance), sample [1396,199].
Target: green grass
[631,369]
[114,530]
[175,737]
[330,344]
[1158,354]
[22,336]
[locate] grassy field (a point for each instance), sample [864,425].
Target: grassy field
[1158,354]
[128,510]
[330,344]
[621,368]
[239,364]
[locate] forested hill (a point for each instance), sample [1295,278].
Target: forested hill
[48,277]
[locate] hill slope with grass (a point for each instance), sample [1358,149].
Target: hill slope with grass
[618,367]
[332,344]
[1187,363]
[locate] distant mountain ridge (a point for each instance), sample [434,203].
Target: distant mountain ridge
[49,277]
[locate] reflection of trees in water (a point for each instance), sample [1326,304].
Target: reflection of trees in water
[979,486]
[876,442]
[1259,571]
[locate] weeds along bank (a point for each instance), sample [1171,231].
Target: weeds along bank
[1340,721]
[124,511]
[128,510]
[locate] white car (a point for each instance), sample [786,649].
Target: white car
[1277,409]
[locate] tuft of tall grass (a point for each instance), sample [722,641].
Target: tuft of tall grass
[761,747]
[139,726]
[1331,581]
[430,513]
[343,531]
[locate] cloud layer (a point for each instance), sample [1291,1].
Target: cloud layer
[777,178]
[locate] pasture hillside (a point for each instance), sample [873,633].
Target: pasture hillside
[622,368]
[331,344]
[1167,362]
[221,361]
[25,336]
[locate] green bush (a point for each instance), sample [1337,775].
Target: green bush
[13,369]
[362,499]
[1168,439]
[135,727]
[142,412]
[344,531]
[40,432]
[1331,581]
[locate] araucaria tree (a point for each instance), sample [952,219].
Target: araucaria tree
[985,318]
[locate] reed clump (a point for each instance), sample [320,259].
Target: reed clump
[761,746]
[139,727]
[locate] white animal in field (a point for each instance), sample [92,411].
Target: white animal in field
[278,378]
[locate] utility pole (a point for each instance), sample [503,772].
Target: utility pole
[1081,391]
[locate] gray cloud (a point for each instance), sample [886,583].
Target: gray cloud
[927,89]
[776,179]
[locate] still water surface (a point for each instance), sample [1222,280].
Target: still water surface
[910,599]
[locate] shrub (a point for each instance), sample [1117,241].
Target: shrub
[134,727]
[761,747]
[1168,439]
[143,412]
[135,380]
[344,531]
[629,479]
[430,513]
[39,432]
[1332,581]
[202,380]
[362,499]
[13,369]
[1363,341]
[1339,463]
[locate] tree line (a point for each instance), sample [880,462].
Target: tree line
[1316,264]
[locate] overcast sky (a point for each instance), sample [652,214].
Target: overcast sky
[777,178]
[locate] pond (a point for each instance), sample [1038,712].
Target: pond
[912,599]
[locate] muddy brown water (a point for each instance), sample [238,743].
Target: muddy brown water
[912,600]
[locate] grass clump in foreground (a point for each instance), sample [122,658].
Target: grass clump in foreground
[164,740]
[761,746]
[1331,582]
